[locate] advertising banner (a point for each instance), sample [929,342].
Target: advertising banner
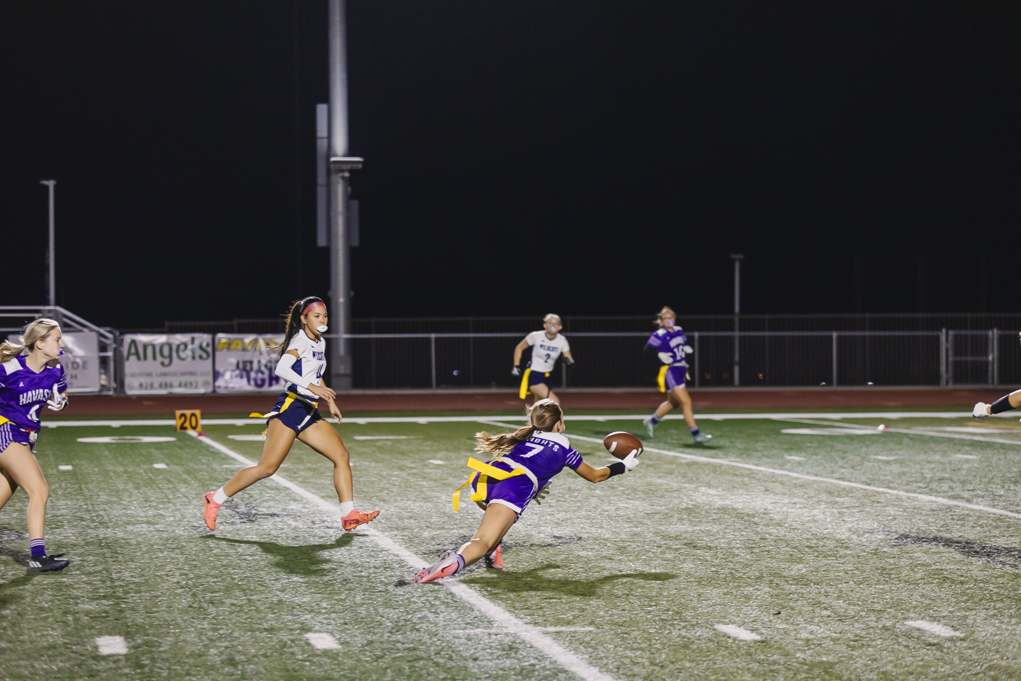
[80,360]
[244,364]
[159,364]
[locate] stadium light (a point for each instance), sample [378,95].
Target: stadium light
[53,265]
[737,258]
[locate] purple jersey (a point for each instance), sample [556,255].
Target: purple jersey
[671,341]
[23,392]
[545,454]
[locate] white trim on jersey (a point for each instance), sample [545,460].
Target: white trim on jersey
[312,355]
[545,356]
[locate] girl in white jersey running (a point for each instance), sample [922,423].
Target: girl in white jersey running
[547,345]
[296,415]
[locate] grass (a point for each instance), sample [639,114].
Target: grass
[639,569]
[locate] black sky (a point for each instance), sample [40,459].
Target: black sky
[521,156]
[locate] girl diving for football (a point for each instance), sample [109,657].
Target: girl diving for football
[27,382]
[296,415]
[671,346]
[526,460]
[546,345]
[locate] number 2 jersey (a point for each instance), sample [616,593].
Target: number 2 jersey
[311,364]
[23,392]
[546,351]
[545,455]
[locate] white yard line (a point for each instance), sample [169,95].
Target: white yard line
[512,631]
[112,645]
[323,641]
[437,462]
[501,617]
[934,628]
[739,633]
[64,468]
[906,431]
[801,476]
[584,417]
[386,437]
[160,465]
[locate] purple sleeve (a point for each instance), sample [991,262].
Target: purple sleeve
[572,459]
[62,381]
[655,341]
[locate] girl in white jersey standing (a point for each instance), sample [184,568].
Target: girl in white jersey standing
[547,345]
[296,415]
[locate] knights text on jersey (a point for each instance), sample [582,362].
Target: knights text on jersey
[311,364]
[545,351]
[23,392]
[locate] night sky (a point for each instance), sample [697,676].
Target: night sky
[521,156]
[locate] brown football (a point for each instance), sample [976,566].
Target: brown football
[620,444]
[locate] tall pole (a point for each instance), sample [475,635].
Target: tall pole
[340,166]
[53,255]
[737,258]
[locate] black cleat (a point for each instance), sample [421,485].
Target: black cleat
[48,563]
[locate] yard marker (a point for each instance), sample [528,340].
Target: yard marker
[245,438]
[565,658]
[795,458]
[64,468]
[737,632]
[160,465]
[511,631]
[963,456]
[934,628]
[884,458]
[323,641]
[802,476]
[437,462]
[112,645]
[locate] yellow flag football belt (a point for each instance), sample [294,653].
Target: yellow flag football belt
[486,471]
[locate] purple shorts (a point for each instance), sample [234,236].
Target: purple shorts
[671,377]
[514,493]
[11,433]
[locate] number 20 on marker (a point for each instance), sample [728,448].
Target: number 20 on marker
[189,419]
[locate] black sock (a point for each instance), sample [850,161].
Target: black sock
[1001,405]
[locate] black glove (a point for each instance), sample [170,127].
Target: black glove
[516,371]
[568,362]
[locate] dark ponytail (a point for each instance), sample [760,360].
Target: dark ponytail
[292,325]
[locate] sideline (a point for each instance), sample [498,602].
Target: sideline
[533,635]
[802,476]
[583,417]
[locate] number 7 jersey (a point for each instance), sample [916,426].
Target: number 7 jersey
[23,392]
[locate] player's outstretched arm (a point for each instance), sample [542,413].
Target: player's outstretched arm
[518,349]
[591,474]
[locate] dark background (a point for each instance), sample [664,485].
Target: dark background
[521,156]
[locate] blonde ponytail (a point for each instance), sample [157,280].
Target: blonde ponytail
[35,331]
[544,415]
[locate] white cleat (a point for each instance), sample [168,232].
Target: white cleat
[650,427]
[702,438]
[980,412]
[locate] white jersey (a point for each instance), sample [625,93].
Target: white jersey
[311,364]
[546,351]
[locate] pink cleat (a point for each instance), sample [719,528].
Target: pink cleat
[447,566]
[494,559]
[212,508]
[356,518]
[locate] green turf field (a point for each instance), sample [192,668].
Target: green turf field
[911,570]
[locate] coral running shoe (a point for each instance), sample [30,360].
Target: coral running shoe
[356,518]
[494,559]
[212,508]
[447,566]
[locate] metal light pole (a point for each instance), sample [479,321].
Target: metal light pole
[53,262]
[737,258]
[341,166]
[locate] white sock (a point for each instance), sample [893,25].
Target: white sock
[346,507]
[219,496]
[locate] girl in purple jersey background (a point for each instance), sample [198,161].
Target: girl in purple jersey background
[27,382]
[527,460]
[672,347]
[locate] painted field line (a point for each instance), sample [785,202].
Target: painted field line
[739,633]
[64,468]
[437,462]
[386,437]
[512,631]
[905,431]
[803,476]
[934,628]
[323,641]
[112,645]
[160,465]
[583,417]
[501,617]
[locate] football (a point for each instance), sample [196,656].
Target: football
[620,444]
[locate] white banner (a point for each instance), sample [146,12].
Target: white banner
[158,364]
[81,361]
[243,363]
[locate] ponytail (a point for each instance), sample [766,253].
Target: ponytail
[292,323]
[35,331]
[544,415]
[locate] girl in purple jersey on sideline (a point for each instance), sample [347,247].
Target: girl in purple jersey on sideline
[672,347]
[27,382]
[526,460]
